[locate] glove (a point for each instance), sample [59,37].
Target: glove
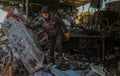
[67,35]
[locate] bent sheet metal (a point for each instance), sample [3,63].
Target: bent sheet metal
[23,42]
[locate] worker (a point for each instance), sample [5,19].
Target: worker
[54,27]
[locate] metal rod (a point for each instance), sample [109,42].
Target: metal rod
[22,5]
[103,41]
[27,6]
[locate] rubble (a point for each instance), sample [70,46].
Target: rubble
[75,65]
[42,73]
[87,72]
[29,59]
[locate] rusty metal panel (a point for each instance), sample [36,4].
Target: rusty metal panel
[24,44]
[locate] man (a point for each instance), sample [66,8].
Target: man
[54,27]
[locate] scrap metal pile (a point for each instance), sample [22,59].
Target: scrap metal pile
[3,48]
[79,57]
[69,61]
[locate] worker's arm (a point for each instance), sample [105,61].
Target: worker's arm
[63,27]
[59,20]
[35,25]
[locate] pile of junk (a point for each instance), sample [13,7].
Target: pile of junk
[92,50]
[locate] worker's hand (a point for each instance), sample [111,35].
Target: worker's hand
[67,35]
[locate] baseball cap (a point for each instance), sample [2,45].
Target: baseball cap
[45,10]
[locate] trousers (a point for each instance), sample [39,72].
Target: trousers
[55,43]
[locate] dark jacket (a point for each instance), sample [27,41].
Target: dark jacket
[53,27]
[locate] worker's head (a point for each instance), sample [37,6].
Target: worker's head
[45,12]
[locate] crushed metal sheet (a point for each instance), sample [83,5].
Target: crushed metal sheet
[23,42]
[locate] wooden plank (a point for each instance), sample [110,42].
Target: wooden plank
[24,44]
[7,71]
[84,36]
